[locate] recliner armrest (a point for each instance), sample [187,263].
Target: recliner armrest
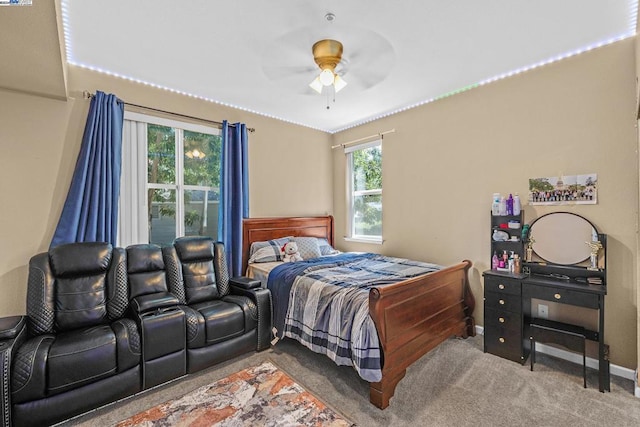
[244,282]
[13,332]
[262,299]
[144,303]
[11,326]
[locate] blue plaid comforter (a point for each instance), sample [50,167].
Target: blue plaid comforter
[324,304]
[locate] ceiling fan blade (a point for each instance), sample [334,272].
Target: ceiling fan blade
[279,72]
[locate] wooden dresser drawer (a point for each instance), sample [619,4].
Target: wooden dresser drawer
[566,296]
[501,320]
[501,285]
[502,302]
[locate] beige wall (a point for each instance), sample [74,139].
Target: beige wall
[290,166]
[446,158]
[441,166]
[36,136]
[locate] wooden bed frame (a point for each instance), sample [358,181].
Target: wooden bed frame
[412,317]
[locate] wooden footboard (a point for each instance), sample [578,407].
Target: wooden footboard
[414,316]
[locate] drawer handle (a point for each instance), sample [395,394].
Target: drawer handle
[557,296]
[501,302]
[500,286]
[501,340]
[501,319]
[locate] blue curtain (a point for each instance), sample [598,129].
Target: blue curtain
[90,213]
[234,193]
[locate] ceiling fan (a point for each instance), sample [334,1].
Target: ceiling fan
[327,54]
[286,61]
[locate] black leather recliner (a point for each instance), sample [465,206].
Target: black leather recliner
[77,350]
[225,317]
[160,321]
[104,323]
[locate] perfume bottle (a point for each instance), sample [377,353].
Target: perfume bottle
[517,264]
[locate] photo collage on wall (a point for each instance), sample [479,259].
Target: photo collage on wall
[564,190]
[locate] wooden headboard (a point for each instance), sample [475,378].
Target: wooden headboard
[261,229]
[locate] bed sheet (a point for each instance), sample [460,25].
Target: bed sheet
[323,304]
[260,271]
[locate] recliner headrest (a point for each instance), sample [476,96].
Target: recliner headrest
[192,249]
[77,259]
[143,258]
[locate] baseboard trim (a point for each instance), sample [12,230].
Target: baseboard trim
[576,358]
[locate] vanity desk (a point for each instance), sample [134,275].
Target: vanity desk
[573,291]
[510,322]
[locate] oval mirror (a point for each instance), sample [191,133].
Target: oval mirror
[560,238]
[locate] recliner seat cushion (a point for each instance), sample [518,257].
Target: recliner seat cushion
[80,302]
[145,270]
[223,320]
[199,281]
[196,255]
[80,289]
[80,357]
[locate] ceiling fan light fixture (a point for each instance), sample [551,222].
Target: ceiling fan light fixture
[339,83]
[327,54]
[316,85]
[327,77]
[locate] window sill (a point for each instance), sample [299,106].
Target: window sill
[373,241]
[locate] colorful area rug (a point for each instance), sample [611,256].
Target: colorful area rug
[258,396]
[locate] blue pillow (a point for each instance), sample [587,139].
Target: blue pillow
[267,251]
[326,248]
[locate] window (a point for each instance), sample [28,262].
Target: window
[170,180]
[364,191]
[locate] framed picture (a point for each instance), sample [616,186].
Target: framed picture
[564,190]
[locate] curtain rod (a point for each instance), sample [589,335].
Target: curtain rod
[88,95]
[344,144]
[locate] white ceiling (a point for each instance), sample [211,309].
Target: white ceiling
[256,55]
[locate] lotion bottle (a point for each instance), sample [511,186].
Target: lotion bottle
[495,205]
[503,206]
[517,206]
[510,205]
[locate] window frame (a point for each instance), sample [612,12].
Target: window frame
[351,194]
[141,175]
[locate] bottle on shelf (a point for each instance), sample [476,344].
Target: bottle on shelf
[517,264]
[503,206]
[517,205]
[495,205]
[494,261]
[510,205]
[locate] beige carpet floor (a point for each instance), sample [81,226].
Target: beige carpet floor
[456,384]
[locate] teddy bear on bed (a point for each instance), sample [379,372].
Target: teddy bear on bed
[290,252]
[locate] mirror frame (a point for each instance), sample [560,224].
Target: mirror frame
[595,229]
